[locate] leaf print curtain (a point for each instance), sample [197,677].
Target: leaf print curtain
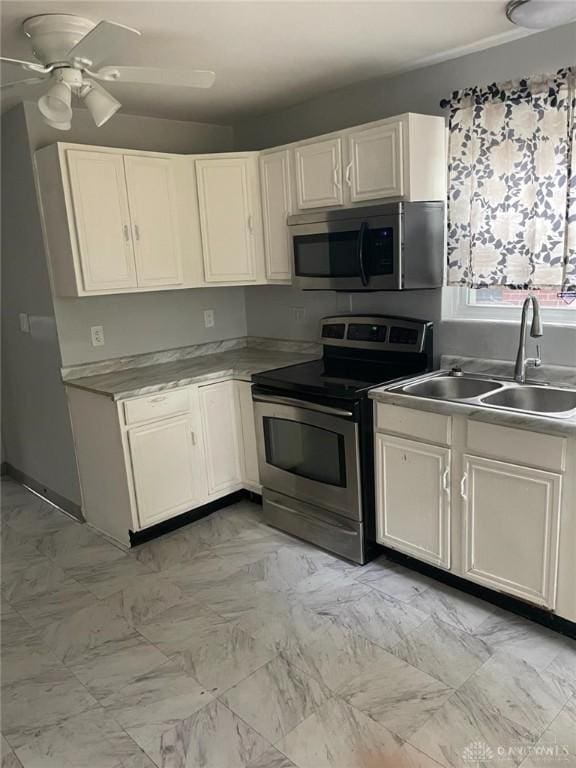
[512,184]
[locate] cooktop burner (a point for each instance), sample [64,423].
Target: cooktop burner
[359,353]
[335,377]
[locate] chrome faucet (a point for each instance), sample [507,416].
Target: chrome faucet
[535,331]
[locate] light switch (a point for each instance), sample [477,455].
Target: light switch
[208,318]
[24,322]
[97,334]
[298,314]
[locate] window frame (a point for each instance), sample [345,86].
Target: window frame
[455,306]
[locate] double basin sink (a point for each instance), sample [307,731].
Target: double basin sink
[541,400]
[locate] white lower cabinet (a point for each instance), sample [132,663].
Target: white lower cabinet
[221,432]
[511,516]
[144,460]
[413,498]
[163,456]
[250,473]
[506,518]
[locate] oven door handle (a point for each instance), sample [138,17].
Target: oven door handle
[277,400]
[361,240]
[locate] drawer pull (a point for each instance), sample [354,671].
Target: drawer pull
[159,399]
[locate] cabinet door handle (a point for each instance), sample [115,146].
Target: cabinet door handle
[137,232]
[464,486]
[336,177]
[193,436]
[126,233]
[250,224]
[349,174]
[446,481]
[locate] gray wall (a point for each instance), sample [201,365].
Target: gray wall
[37,436]
[144,322]
[269,310]
[36,432]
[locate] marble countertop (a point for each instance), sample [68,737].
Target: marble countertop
[535,423]
[234,364]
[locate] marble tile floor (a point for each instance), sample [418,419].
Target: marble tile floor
[226,644]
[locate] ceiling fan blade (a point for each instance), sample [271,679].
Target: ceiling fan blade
[194,78]
[107,38]
[30,66]
[26,81]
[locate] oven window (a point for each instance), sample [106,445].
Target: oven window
[332,254]
[305,450]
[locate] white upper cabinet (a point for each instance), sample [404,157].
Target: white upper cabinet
[276,207]
[413,498]
[375,157]
[318,167]
[102,217]
[402,157]
[230,218]
[512,518]
[154,225]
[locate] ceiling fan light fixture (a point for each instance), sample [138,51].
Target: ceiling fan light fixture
[65,126]
[101,104]
[56,104]
[541,14]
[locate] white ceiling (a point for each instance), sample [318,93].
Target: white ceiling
[268,54]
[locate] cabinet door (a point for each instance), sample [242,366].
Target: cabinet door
[375,169]
[251,474]
[154,225]
[276,207]
[227,219]
[511,528]
[100,203]
[319,174]
[163,458]
[220,429]
[413,498]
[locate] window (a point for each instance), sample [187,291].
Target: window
[502,304]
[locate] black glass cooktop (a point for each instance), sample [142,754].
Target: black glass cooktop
[336,377]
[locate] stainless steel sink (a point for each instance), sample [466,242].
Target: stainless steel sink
[482,391]
[452,387]
[533,399]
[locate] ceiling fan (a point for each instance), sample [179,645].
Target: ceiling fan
[69,52]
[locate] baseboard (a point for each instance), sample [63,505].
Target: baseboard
[512,604]
[139,537]
[70,507]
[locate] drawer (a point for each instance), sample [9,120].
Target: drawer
[156,406]
[518,446]
[430,427]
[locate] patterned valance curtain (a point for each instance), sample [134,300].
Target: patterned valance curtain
[512,184]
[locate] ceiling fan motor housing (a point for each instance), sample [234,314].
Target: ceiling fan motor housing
[54,35]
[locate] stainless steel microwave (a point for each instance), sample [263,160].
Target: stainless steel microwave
[391,247]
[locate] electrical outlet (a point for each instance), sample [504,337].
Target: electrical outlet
[24,320]
[298,314]
[208,318]
[97,334]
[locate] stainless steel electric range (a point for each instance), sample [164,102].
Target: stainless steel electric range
[314,428]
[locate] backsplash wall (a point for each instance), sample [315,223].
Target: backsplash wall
[144,322]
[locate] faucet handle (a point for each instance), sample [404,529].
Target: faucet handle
[538,361]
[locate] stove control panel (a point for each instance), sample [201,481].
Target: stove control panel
[367,332]
[377,332]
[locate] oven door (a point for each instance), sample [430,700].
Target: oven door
[354,255]
[309,451]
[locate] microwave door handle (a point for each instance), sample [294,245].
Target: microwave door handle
[361,240]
